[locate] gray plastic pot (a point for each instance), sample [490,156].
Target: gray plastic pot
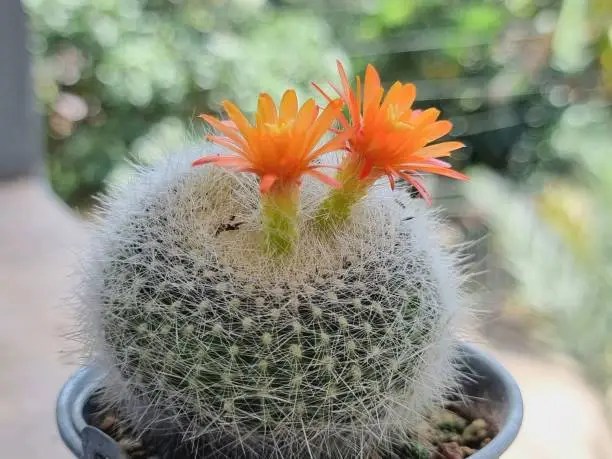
[488,384]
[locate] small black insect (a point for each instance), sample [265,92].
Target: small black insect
[229,226]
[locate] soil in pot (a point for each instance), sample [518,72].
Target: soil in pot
[457,432]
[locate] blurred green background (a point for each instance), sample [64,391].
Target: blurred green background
[124,78]
[527,84]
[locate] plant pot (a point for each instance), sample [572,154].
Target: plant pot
[491,387]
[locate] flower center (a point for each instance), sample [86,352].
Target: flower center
[395,115]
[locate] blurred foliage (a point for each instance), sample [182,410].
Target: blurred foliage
[125,78]
[483,63]
[556,238]
[554,231]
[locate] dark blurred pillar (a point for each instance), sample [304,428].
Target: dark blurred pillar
[21,143]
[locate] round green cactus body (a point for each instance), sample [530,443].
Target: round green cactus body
[336,350]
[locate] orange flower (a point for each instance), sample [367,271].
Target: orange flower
[387,137]
[282,144]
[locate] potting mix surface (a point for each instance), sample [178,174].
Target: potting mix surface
[457,432]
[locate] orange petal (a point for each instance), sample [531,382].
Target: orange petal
[342,94]
[288,106]
[436,130]
[323,93]
[391,97]
[229,123]
[227,143]
[438,162]
[441,171]
[341,118]
[222,127]
[408,116]
[266,110]
[322,124]
[205,160]
[440,150]
[222,161]
[266,182]
[372,89]
[359,93]
[367,168]
[349,95]
[305,117]
[231,161]
[337,143]
[397,146]
[238,118]
[426,117]
[324,178]
[418,185]
[407,96]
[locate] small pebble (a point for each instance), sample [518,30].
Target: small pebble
[476,431]
[445,436]
[108,423]
[451,450]
[450,421]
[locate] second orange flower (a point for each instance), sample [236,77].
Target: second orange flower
[387,137]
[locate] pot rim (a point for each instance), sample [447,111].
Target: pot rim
[76,392]
[511,426]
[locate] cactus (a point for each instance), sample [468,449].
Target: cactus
[339,344]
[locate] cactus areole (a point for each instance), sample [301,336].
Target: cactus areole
[239,293]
